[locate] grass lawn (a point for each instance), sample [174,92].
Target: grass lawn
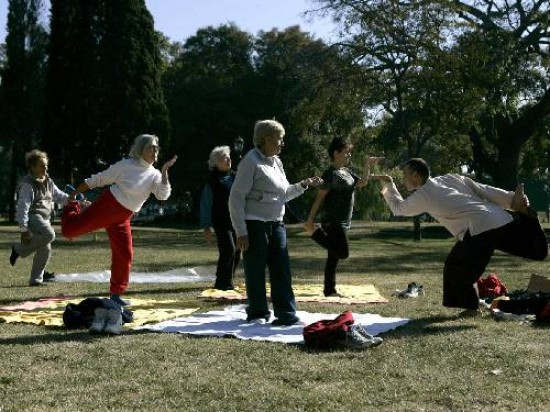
[437,362]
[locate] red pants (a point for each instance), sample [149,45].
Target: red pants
[106,213]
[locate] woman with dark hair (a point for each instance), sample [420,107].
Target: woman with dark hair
[131,181]
[336,195]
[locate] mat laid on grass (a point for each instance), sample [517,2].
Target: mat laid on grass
[353,294]
[197,274]
[49,311]
[231,321]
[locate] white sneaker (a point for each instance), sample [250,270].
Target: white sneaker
[114,322]
[373,340]
[354,339]
[99,322]
[257,321]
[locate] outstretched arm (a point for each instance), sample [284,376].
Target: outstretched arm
[369,161]
[309,226]
[165,167]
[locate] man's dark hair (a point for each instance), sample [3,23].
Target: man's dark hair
[337,145]
[419,166]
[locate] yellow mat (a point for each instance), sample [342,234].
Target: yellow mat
[351,294]
[50,312]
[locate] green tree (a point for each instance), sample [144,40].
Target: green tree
[454,69]
[104,84]
[311,88]
[21,89]
[130,90]
[209,95]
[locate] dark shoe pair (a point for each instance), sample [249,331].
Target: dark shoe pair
[48,276]
[14,256]
[226,287]
[259,320]
[286,322]
[118,299]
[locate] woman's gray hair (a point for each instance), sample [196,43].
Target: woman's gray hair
[141,143]
[216,155]
[267,128]
[32,157]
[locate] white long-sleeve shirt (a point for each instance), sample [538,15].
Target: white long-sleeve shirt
[132,182]
[457,202]
[260,191]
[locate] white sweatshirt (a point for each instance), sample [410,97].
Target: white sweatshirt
[132,182]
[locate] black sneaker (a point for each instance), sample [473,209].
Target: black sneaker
[287,322]
[13,257]
[261,320]
[117,299]
[34,283]
[48,276]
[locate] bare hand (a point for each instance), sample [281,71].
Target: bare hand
[371,160]
[384,179]
[168,165]
[309,227]
[520,202]
[26,238]
[208,235]
[314,181]
[242,243]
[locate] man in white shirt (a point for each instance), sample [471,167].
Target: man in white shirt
[482,218]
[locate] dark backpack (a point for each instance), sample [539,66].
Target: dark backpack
[324,334]
[81,315]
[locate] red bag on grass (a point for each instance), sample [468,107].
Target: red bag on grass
[491,287]
[324,333]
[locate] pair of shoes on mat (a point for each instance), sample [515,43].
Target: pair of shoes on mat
[13,256]
[118,299]
[356,337]
[107,321]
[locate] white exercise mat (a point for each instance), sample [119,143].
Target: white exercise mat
[197,274]
[231,321]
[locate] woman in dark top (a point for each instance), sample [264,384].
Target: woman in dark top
[336,195]
[215,215]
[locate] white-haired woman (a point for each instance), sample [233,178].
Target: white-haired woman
[214,214]
[131,181]
[257,206]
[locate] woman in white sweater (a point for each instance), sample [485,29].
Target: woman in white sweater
[131,181]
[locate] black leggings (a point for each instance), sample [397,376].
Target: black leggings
[334,239]
[468,258]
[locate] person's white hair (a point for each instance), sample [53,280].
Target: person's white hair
[216,155]
[267,128]
[141,142]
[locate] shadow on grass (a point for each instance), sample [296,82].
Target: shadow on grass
[66,335]
[430,325]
